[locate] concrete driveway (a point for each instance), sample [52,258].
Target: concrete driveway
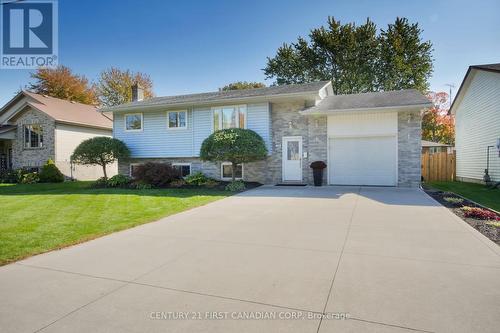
[269,260]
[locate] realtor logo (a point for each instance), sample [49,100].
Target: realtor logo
[28,34]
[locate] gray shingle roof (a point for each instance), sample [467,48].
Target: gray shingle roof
[488,67]
[221,96]
[372,100]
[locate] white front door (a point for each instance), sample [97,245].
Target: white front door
[292,158]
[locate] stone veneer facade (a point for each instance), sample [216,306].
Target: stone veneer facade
[409,149]
[33,157]
[286,121]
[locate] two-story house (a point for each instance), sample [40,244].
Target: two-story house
[365,139]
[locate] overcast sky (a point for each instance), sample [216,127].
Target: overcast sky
[198,46]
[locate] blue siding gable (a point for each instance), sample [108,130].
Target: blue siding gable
[156,140]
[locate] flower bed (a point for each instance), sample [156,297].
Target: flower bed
[485,220]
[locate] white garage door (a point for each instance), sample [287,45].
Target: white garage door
[370,160]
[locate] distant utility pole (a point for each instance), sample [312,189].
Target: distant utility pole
[450,85]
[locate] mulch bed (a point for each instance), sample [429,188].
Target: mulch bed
[483,226]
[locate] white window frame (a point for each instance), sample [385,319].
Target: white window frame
[130,168]
[184,164]
[230,178]
[237,107]
[177,128]
[40,142]
[133,114]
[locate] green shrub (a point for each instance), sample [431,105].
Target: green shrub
[178,183]
[9,177]
[197,178]
[50,173]
[211,183]
[453,200]
[100,183]
[118,181]
[141,185]
[236,186]
[29,178]
[20,173]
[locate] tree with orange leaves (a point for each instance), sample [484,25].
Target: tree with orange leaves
[61,82]
[437,125]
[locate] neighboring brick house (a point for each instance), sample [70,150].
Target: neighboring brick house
[365,139]
[35,128]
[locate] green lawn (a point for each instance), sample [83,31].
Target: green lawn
[475,192]
[41,217]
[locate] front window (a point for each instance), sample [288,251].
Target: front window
[33,136]
[133,122]
[184,169]
[229,117]
[227,171]
[177,119]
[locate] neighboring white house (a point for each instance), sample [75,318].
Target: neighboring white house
[35,128]
[477,123]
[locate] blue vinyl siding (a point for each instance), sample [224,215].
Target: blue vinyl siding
[155,140]
[202,128]
[258,120]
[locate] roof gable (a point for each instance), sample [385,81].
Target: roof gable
[60,110]
[495,68]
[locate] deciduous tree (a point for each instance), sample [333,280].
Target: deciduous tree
[356,58]
[100,150]
[239,85]
[437,125]
[235,145]
[61,82]
[114,86]
[405,60]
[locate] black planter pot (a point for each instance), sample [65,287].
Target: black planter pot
[318,177]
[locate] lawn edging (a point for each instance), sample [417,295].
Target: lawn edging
[486,227]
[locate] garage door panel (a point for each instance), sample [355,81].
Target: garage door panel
[363,160]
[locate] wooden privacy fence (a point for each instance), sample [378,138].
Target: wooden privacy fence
[438,166]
